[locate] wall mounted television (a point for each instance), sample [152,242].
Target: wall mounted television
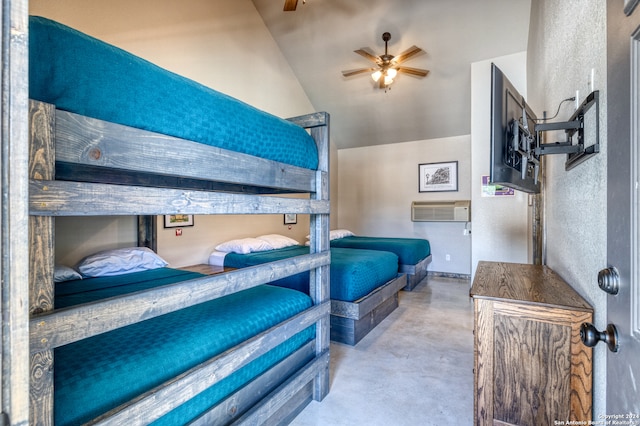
[516,136]
[512,137]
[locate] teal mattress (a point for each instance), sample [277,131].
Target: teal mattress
[81,74]
[97,374]
[410,251]
[354,273]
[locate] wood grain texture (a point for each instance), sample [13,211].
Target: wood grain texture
[483,361]
[531,367]
[534,284]
[531,371]
[41,260]
[237,404]
[62,198]
[363,306]
[415,273]
[88,141]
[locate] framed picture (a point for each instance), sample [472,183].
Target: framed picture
[435,177]
[178,220]
[290,219]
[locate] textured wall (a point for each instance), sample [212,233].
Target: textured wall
[500,224]
[567,41]
[378,183]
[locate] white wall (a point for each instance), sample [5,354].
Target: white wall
[224,45]
[560,56]
[500,224]
[377,185]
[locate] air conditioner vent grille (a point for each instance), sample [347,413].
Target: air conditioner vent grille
[441,211]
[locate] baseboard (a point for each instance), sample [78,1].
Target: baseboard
[449,275]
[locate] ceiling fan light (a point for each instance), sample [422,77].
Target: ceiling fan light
[376,75]
[387,80]
[392,72]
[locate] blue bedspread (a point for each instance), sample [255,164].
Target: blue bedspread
[354,273]
[410,251]
[99,373]
[81,74]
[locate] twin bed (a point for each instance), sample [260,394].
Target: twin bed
[106,131]
[366,273]
[364,284]
[414,254]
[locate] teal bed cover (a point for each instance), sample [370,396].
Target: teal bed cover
[97,374]
[83,75]
[353,275]
[410,251]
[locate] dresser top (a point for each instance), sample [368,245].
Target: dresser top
[531,284]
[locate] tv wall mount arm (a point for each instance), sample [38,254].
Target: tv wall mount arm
[576,153]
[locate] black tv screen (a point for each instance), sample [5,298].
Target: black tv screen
[513,137]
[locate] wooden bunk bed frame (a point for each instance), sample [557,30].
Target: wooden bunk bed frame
[62,142]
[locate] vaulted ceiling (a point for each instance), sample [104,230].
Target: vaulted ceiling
[319,38]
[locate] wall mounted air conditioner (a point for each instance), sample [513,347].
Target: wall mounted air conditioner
[441,211]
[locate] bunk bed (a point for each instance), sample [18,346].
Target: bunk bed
[364,284]
[414,254]
[111,134]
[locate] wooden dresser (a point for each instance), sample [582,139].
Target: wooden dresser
[531,367]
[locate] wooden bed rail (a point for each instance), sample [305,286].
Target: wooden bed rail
[60,327]
[62,198]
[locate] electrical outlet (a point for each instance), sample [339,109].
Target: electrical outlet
[447,257]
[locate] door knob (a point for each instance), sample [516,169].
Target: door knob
[590,336]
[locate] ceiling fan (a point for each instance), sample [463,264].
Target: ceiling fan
[387,65]
[290,5]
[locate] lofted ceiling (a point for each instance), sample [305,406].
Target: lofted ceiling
[318,40]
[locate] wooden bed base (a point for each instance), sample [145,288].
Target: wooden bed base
[415,273]
[275,396]
[351,321]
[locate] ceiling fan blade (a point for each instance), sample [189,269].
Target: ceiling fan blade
[418,72]
[369,56]
[290,5]
[349,73]
[413,50]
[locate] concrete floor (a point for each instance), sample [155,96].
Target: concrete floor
[414,368]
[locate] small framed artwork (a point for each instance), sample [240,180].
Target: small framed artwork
[436,177]
[178,220]
[290,219]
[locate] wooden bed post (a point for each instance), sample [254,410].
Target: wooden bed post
[319,241]
[148,232]
[41,260]
[14,383]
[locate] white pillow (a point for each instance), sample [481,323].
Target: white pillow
[278,241]
[64,273]
[120,261]
[244,246]
[340,233]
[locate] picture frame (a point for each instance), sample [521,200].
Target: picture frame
[178,220]
[438,177]
[290,218]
